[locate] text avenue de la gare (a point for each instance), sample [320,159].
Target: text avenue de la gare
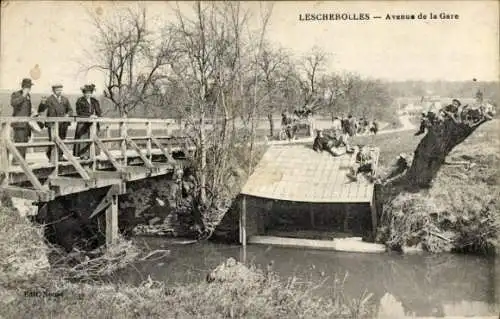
[367,16]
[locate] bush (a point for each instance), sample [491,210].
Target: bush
[23,253]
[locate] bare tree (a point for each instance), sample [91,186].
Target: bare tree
[210,73]
[265,15]
[131,57]
[271,65]
[313,66]
[333,93]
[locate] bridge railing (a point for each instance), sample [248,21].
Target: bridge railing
[129,133]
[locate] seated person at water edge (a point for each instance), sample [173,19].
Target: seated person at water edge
[56,105]
[86,106]
[363,162]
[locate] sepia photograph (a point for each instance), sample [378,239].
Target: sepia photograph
[249,159]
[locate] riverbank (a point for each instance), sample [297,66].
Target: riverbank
[460,211]
[30,288]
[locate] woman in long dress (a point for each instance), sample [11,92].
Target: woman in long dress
[86,106]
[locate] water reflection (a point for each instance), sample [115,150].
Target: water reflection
[422,285]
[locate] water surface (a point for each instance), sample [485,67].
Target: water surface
[426,285]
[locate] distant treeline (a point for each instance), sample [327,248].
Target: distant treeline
[371,98]
[458,89]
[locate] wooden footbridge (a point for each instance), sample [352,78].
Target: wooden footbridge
[130,149]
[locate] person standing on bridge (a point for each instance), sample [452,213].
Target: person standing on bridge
[56,105]
[86,106]
[21,105]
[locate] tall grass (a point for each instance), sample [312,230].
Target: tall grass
[233,291]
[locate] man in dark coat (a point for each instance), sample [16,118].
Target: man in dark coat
[321,143]
[86,106]
[352,125]
[56,105]
[21,105]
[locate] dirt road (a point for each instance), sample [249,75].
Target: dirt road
[406,125]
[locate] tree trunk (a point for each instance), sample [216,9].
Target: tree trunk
[271,124]
[432,150]
[203,150]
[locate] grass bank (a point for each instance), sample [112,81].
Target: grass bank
[30,288]
[461,211]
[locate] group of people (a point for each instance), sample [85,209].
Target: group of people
[468,114]
[337,143]
[350,125]
[290,122]
[56,105]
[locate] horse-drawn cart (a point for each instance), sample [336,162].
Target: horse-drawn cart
[300,127]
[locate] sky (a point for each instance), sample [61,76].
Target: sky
[48,39]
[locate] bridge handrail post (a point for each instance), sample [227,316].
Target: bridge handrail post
[54,156]
[4,153]
[123,135]
[93,135]
[149,134]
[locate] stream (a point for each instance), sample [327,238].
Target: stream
[424,285]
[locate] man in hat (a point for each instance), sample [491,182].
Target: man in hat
[321,143]
[21,105]
[453,110]
[363,163]
[56,105]
[351,125]
[288,125]
[86,106]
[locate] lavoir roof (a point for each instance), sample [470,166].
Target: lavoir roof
[297,173]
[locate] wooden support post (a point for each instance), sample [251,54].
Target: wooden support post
[93,136]
[4,154]
[243,221]
[311,215]
[54,156]
[149,134]
[123,135]
[112,222]
[373,208]
[243,255]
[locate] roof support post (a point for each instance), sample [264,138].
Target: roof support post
[373,209]
[243,221]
